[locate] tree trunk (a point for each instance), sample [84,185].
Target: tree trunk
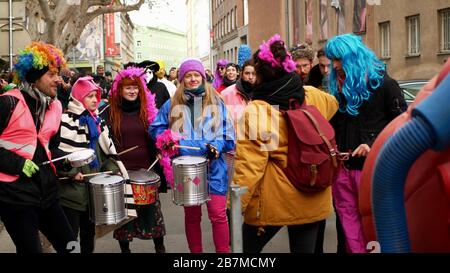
[61,22]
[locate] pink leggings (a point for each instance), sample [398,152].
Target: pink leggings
[218,217]
[345,197]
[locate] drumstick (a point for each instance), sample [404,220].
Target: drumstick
[87,175]
[55,159]
[153,164]
[187,147]
[128,150]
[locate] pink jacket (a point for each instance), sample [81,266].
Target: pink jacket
[235,102]
[20,136]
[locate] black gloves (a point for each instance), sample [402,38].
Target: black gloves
[211,152]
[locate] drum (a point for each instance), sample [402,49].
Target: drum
[190,175]
[145,186]
[81,158]
[106,199]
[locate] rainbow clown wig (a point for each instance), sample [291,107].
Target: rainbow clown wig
[35,60]
[364,72]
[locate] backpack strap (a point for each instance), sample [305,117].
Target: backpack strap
[294,104]
[333,152]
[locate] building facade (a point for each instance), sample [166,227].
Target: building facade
[19,33]
[160,44]
[198,30]
[230,28]
[411,36]
[107,40]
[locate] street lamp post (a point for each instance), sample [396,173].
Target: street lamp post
[10,18]
[236,218]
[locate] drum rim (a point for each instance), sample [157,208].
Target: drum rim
[103,184]
[144,182]
[149,181]
[88,152]
[203,160]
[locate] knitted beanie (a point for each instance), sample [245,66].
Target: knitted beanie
[191,64]
[83,86]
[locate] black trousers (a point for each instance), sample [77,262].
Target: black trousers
[302,238]
[80,222]
[24,222]
[341,245]
[320,237]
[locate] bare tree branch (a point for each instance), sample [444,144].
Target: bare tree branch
[45,9]
[64,23]
[111,9]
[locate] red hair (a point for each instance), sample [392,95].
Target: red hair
[115,115]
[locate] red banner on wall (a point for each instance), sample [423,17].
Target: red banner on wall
[112,48]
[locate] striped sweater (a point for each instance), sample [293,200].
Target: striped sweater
[75,137]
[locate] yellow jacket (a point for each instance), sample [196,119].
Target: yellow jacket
[259,164]
[325,103]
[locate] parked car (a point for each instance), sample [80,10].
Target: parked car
[411,88]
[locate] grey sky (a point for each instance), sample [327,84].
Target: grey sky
[171,13]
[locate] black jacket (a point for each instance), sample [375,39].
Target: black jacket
[40,190]
[151,148]
[385,104]
[159,89]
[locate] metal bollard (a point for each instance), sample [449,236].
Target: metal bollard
[236,217]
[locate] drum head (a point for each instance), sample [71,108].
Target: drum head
[189,160]
[143,176]
[81,155]
[105,179]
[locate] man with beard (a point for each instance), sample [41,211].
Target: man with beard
[30,118]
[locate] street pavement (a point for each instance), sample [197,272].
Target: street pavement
[175,240]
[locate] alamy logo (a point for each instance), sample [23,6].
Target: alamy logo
[260,123]
[374,2]
[74,2]
[73,247]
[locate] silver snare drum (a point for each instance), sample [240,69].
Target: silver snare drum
[81,158]
[106,199]
[190,175]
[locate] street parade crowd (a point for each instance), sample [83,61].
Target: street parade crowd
[82,151]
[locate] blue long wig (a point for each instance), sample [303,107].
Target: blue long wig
[364,72]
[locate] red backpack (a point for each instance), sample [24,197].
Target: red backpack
[312,163]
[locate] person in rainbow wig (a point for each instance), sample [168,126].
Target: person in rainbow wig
[30,118]
[368,100]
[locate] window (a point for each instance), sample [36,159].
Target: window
[138,43]
[139,55]
[385,39]
[232,19]
[445,30]
[245,12]
[413,24]
[235,17]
